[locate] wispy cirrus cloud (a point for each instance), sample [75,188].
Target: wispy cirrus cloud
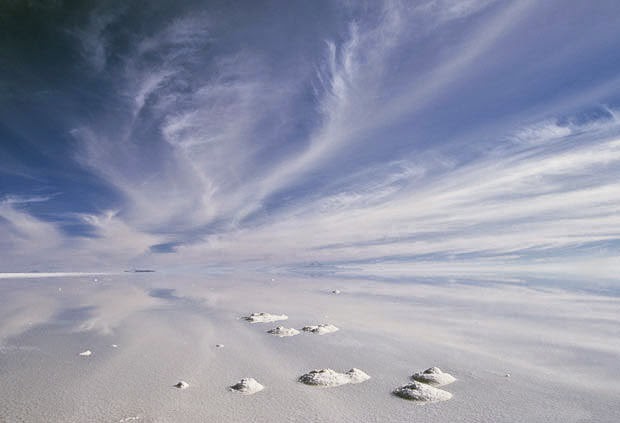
[382,132]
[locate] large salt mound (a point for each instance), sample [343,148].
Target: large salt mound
[320,329]
[329,377]
[434,377]
[265,317]
[247,386]
[281,331]
[422,392]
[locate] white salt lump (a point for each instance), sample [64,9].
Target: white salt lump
[181,385]
[321,329]
[247,386]
[331,378]
[264,317]
[281,331]
[418,391]
[434,377]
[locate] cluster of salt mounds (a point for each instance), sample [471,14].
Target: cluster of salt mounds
[434,377]
[281,331]
[418,391]
[329,377]
[247,386]
[181,385]
[265,317]
[320,329]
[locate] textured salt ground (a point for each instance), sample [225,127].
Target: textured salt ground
[281,331]
[546,384]
[422,392]
[247,386]
[331,378]
[434,377]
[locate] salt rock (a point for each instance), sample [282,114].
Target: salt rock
[434,377]
[320,329]
[182,385]
[281,331]
[418,391]
[330,378]
[265,317]
[247,386]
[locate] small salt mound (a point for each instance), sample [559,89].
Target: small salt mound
[86,353]
[417,391]
[336,291]
[182,385]
[247,386]
[219,345]
[329,377]
[434,377]
[281,331]
[265,317]
[320,329]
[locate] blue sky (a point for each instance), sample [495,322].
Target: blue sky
[453,138]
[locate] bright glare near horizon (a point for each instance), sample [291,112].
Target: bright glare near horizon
[430,137]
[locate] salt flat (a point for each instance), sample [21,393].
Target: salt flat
[561,349]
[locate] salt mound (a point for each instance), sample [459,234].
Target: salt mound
[336,291]
[320,329]
[86,353]
[219,345]
[182,385]
[265,317]
[434,377]
[247,386]
[422,392]
[329,377]
[281,331]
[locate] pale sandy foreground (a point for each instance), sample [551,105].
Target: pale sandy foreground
[149,333]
